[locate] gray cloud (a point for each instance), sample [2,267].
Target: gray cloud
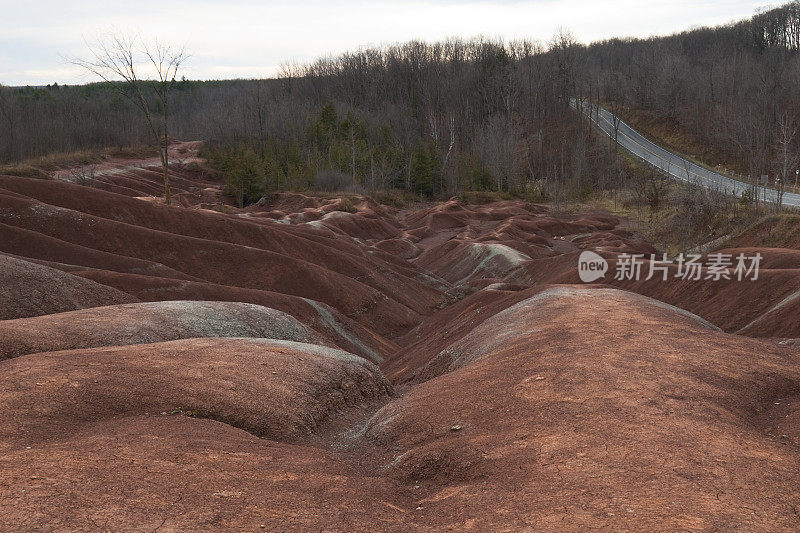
[244,38]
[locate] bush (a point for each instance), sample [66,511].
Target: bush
[84,175]
[346,205]
[244,175]
[747,198]
[23,171]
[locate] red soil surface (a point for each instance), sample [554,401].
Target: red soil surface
[272,388]
[154,322]
[579,409]
[172,473]
[329,363]
[29,289]
[143,178]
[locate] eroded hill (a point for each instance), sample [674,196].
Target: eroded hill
[331,363]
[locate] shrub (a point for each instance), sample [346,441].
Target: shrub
[346,205]
[84,175]
[23,171]
[244,175]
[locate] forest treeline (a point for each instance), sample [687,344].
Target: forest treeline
[457,115]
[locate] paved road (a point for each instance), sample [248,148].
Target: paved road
[674,165]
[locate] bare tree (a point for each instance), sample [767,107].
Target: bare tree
[84,175]
[786,134]
[118,61]
[452,143]
[257,106]
[7,116]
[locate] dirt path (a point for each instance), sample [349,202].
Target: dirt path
[181,152]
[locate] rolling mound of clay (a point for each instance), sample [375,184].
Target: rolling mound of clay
[403,248]
[245,394]
[460,262]
[28,289]
[333,326]
[598,407]
[432,336]
[143,323]
[143,177]
[134,237]
[182,474]
[275,389]
[771,258]
[727,303]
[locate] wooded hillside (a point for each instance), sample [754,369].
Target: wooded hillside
[438,118]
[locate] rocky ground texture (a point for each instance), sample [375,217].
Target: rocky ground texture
[331,363]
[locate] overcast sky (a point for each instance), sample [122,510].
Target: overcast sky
[247,38]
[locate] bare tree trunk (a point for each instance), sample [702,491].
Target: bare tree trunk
[116,59]
[452,143]
[165,159]
[371,170]
[408,176]
[353,151]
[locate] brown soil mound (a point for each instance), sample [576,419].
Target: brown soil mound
[172,473]
[758,308]
[324,320]
[28,289]
[353,216]
[774,231]
[459,262]
[364,225]
[154,322]
[142,177]
[730,304]
[231,252]
[523,402]
[617,242]
[578,409]
[509,240]
[424,342]
[771,258]
[403,248]
[275,389]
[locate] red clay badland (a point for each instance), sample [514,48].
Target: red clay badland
[294,365]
